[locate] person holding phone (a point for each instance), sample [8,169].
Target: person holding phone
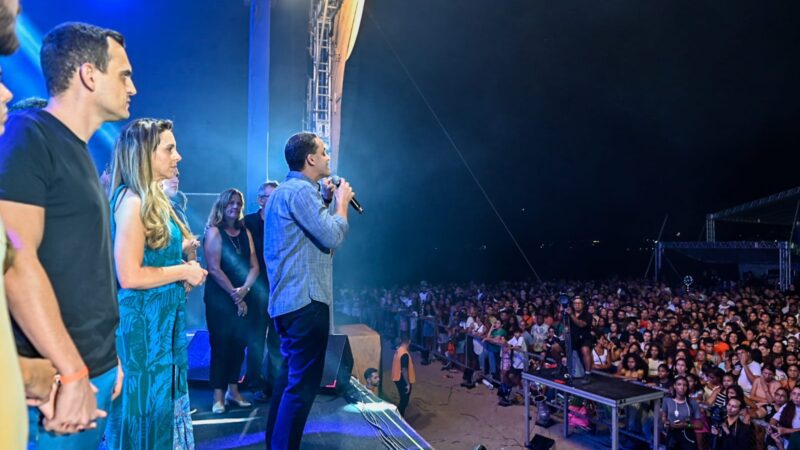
[733,433]
[680,416]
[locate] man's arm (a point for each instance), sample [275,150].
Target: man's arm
[577,321]
[751,377]
[33,305]
[313,216]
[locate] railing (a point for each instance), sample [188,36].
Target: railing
[454,345]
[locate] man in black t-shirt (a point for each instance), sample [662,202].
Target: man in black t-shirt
[260,323]
[631,330]
[61,289]
[581,332]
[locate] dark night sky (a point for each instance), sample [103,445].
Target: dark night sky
[596,118]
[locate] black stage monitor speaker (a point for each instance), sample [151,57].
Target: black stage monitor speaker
[338,365]
[540,442]
[199,356]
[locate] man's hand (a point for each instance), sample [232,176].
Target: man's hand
[343,194]
[408,388]
[326,189]
[75,408]
[118,385]
[38,375]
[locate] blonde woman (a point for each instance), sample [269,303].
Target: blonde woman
[151,340]
[233,266]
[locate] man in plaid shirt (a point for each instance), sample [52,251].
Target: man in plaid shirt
[305,221]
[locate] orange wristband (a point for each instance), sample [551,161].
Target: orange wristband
[73,377]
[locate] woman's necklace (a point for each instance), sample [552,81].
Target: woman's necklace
[235,245]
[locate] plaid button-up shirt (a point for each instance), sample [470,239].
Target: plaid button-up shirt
[300,233]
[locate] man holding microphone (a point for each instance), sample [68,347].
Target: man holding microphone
[305,220]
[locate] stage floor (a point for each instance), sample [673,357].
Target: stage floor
[335,422]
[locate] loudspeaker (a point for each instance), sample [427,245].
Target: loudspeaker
[540,442]
[338,365]
[199,356]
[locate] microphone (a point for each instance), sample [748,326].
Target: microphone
[336,180]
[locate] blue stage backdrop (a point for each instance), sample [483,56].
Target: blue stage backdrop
[190,64]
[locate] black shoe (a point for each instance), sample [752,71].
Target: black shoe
[261,397]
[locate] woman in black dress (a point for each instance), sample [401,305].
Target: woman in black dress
[233,268]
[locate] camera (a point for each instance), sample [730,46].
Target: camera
[716,415]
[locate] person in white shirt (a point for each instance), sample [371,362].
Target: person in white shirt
[519,359]
[517,344]
[539,332]
[749,370]
[787,420]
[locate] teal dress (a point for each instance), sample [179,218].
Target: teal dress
[153,410]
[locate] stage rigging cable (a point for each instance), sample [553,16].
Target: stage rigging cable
[454,146]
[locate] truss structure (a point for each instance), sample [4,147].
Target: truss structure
[771,253]
[321,47]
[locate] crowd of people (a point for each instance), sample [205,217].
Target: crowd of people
[728,358]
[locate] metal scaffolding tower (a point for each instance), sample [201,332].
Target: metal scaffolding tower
[319,98]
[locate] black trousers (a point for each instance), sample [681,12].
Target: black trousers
[304,339]
[405,397]
[273,359]
[681,440]
[227,340]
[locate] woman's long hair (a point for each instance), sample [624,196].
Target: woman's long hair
[217,214]
[789,411]
[132,167]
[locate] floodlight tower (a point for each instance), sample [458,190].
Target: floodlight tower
[333,27]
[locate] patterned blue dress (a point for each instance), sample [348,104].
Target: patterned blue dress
[153,410]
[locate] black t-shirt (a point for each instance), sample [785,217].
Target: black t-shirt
[403,365]
[626,336]
[580,335]
[43,163]
[255,224]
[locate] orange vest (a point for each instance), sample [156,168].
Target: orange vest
[396,369]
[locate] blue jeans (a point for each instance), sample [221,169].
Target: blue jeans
[38,438]
[492,357]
